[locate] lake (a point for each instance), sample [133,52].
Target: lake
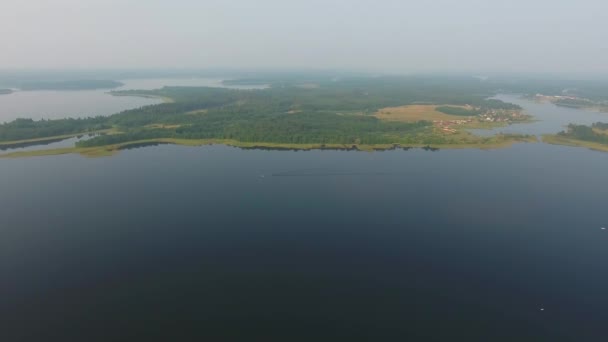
[217,243]
[45,104]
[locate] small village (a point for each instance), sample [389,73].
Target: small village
[493,115]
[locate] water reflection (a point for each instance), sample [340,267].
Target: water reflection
[47,144]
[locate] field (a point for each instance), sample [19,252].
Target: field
[601,131]
[413,113]
[443,123]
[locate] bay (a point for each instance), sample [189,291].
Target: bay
[45,104]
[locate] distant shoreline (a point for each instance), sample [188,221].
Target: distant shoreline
[572,102]
[165,99]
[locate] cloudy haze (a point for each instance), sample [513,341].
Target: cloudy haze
[404,36]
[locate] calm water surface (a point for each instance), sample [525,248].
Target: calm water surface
[46,104]
[215,243]
[85,103]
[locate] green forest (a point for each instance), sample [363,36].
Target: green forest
[338,112]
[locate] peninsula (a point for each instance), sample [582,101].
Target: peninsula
[357,113]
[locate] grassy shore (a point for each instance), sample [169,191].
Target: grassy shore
[109,150]
[555,139]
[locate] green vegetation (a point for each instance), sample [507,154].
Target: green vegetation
[593,133]
[594,137]
[334,113]
[69,85]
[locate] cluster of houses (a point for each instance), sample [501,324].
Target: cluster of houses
[500,116]
[489,116]
[445,125]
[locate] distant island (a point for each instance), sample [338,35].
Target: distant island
[574,102]
[6,91]
[69,85]
[358,113]
[594,137]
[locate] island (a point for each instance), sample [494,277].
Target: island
[6,91]
[594,137]
[364,114]
[69,85]
[569,101]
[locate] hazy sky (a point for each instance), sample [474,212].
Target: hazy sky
[383,35]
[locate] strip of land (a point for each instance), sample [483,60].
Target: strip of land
[165,99]
[499,141]
[555,139]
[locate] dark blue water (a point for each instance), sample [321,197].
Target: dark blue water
[216,243]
